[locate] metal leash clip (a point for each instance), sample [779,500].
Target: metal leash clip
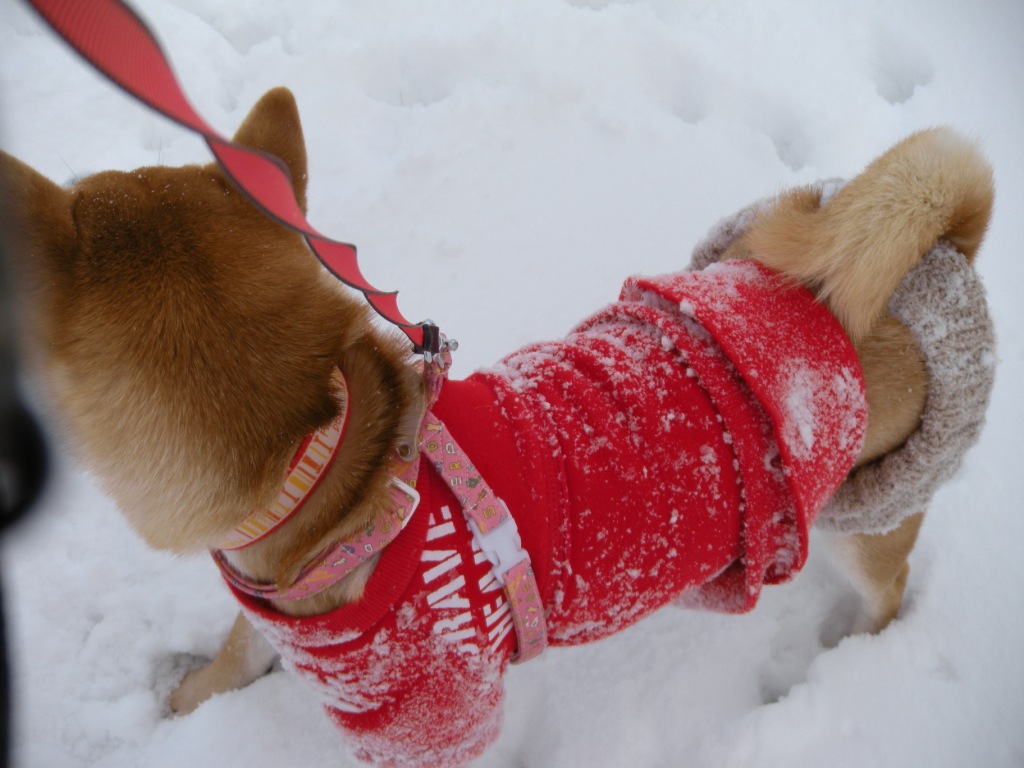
[436,348]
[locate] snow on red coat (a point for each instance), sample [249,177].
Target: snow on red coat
[678,444]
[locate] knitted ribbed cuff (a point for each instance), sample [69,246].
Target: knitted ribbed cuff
[942,302]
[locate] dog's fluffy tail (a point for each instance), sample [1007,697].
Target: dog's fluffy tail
[856,249]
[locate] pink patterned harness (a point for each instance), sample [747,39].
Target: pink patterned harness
[493,528]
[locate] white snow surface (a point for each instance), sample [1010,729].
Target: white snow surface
[506,165]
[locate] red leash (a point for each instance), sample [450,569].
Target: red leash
[111,37]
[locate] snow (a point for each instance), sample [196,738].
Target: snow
[801,416]
[506,166]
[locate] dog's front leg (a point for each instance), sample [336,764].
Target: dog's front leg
[244,657]
[876,565]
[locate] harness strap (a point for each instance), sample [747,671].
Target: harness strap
[495,532]
[344,557]
[118,43]
[489,521]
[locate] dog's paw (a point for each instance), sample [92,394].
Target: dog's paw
[844,619]
[204,679]
[195,687]
[171,675]
[791,656]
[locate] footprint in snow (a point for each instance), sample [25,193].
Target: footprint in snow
[899,68]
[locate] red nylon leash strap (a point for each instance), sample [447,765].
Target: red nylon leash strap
[111,37]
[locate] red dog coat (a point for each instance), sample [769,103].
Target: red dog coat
[678,444]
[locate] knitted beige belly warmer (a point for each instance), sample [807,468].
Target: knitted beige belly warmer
[942,302]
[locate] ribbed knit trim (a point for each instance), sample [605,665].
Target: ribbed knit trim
[942,302]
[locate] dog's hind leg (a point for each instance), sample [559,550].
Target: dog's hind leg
[876,566]
[896,381]
[244,657]
[897,385]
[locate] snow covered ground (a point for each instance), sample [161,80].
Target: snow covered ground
[506,165]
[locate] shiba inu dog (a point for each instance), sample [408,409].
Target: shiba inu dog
[192,347]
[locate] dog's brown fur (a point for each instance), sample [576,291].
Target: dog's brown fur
[188,343]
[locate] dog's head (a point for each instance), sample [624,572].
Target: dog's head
[187,340]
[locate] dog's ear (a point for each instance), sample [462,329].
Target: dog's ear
[273,126]
[38,214]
